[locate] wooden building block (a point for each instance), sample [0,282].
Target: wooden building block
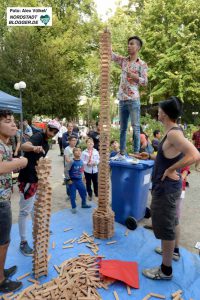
[147,297]
[127,232]
[67,229]
[56,268]
[67,247]
[176,293]
[68,241]
[177,297]
[128,290]
[49,257]
[110,243]
[116,295]
[157,296]
[33,281]
[23,276]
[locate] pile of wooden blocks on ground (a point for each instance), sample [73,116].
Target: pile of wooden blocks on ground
[42,214]
[103,216]
[85,238]
[78,280]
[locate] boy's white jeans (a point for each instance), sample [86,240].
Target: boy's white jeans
[26,207]
[179,204]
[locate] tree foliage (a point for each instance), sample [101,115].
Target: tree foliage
[51,60]
[170,30]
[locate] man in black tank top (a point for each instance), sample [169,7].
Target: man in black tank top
[174,153]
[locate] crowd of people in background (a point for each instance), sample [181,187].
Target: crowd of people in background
[69,136]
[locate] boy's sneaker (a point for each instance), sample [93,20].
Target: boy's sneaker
[176,256]
[89,198]
[8,286]
[86,206]
[156,274]
[10,272]
[25,249]
[74,211]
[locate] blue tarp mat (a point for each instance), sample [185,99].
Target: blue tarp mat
[10,102]
[137,246]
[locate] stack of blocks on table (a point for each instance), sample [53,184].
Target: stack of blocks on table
[103,216]
[42,214]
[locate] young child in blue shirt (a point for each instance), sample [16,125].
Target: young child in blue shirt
[68,156]
[74,175]
[115,148]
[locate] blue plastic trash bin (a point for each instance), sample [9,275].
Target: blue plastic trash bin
[130,187]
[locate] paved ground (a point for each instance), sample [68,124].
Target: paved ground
[190,222]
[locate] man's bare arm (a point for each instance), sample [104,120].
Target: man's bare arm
[29,147]
[15,164]
[181,144]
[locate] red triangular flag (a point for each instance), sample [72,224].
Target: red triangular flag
[121,270]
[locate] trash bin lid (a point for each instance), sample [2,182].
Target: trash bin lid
[143,164]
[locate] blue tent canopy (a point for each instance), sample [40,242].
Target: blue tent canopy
[10,102]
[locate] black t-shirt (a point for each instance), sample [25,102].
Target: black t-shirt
[29,173]
[95,136]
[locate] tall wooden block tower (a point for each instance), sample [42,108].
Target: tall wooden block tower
[42,214]
[103,216]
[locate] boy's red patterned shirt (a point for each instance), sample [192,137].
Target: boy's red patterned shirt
[196,139]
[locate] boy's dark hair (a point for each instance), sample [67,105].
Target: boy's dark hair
[112,142]
[139,41]
[5,112]
[90,138]
[156,132]
[75,149]
[142,132]
[172,107]
[72,137]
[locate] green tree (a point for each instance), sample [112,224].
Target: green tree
[172,47]
[51,60]
[171,34]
